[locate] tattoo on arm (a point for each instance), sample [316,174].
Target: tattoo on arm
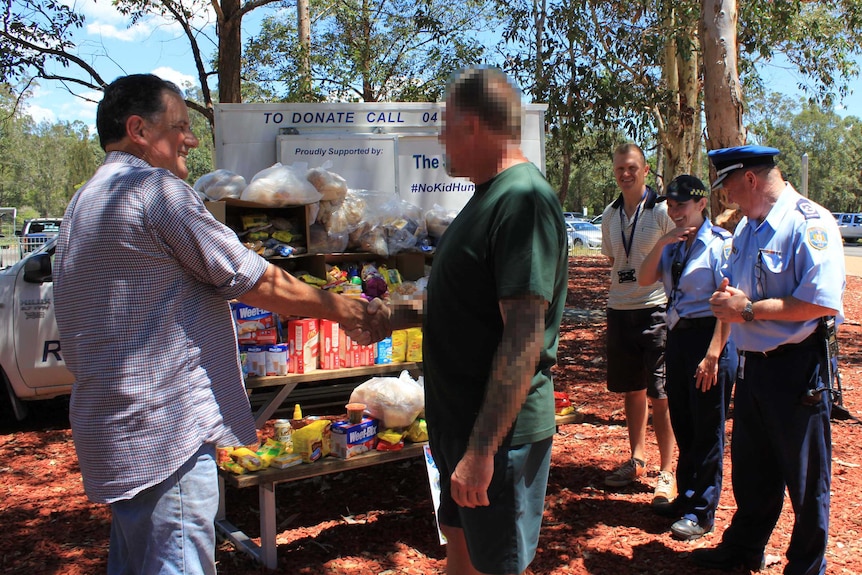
[511,372]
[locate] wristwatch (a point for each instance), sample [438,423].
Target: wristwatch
[748,311]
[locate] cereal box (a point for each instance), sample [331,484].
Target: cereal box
[350,439]
[329,344]
[304,345]
[346,350]
[383,351]
[254,326]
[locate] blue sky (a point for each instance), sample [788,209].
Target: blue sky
[157,46]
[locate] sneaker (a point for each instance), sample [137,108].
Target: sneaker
[665,489]
[626,473]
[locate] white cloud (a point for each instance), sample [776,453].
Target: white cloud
[40,114]
[176,76]
[139,31]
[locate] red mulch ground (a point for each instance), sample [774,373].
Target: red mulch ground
[380,520]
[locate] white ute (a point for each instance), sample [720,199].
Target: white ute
[31,362]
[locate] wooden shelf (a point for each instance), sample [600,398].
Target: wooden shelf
[328,374]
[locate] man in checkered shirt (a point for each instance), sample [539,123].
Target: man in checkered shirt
[142,278]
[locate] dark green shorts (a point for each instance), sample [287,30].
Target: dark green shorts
[502,537]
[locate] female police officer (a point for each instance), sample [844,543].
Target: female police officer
[700,363]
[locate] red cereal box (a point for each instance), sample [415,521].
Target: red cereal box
[345,350]
[329,344]
[303,338]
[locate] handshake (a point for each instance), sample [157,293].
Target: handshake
[372,322]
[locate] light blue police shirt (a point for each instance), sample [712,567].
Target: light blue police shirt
[797,251]
[701,274]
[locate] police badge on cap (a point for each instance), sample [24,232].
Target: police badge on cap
[728,160]
[684,188]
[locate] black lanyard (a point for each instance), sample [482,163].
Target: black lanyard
[628,246]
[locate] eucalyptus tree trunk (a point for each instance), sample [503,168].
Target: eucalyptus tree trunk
[304,29]
[678,133]
[229,51]
[723,103]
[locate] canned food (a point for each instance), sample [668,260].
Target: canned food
[283,432]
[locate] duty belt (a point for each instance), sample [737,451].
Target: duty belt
[810,341]
[691,322]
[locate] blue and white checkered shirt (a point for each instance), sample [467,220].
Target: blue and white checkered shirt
[142,276]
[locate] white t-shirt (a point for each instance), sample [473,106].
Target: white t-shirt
[650,222]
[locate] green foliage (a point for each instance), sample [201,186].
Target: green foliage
[833,145]
[34,34]
[820,39]
[374,50]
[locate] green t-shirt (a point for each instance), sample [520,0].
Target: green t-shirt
[509,240]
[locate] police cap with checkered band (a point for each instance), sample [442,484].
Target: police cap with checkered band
[728,160]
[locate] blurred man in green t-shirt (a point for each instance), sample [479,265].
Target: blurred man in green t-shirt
[495,300]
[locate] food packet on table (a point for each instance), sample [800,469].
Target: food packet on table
[313,440]
[418,431]
[396,401]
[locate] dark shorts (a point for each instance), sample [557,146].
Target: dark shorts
[502,537]
[636,339]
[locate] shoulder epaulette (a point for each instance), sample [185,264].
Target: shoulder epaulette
[807,208]
[721,232]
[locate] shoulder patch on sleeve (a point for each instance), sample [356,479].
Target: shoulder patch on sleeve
[817,238]
[728,247]
[807,208]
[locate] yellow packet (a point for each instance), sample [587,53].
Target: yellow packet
[250,221]
[250,462]
[390,435]
[418,431]
[310,279]
[269,451]
[399,345]
[414,344]
[241,451]
[233,467]
[312,441]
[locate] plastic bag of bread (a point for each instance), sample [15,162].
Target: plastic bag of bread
[437,220]
[404,225]
[279,186]
[220,184]
[321,241]
[332,216]
[396,401]
[330,185]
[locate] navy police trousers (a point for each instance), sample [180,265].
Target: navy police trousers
[698,419]
[779,442]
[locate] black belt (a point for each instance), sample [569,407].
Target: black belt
[810,341]
[691,322]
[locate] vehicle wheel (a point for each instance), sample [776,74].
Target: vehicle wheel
[577,243]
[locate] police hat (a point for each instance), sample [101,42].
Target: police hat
[684,188]
[728,160]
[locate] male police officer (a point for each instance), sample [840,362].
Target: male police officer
[785,274]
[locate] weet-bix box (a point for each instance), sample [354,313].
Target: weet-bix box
[350,439]
[254,326]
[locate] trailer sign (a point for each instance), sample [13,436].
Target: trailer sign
[387,147]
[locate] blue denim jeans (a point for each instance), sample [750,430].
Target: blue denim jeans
[168,529]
